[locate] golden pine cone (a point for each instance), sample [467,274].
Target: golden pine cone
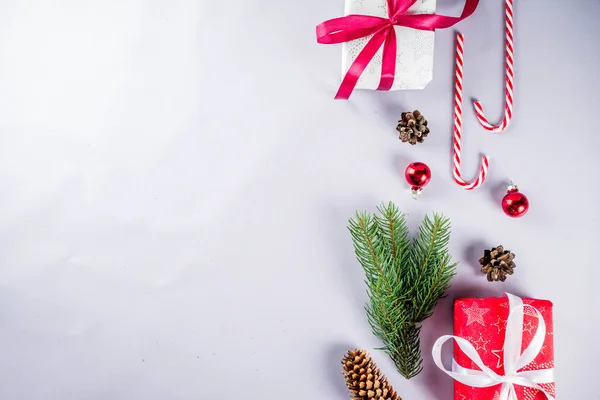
[497,264]
[412,127]
[363,378]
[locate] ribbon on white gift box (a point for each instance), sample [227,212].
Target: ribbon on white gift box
[514,359]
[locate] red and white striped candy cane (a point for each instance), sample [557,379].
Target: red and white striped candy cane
[458,87]
[509,78]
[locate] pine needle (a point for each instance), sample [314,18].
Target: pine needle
[405,278]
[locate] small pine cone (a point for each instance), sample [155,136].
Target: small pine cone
[497,264]
[412,127]
[364,379]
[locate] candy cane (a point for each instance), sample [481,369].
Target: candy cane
[458,87]
[509,78]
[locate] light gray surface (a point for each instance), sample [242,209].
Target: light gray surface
[175,181]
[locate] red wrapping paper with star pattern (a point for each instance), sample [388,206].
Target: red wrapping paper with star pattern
[483,323]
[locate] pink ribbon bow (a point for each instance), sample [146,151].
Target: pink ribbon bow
[354,26]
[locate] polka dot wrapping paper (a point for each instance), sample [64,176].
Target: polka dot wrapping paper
[483,323]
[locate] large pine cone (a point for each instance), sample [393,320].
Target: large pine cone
[497,264]
[364,379]
[412,127]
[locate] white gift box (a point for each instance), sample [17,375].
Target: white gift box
[414,57]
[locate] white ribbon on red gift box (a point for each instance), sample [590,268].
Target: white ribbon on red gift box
[514,359]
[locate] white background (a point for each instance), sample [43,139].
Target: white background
[176,180]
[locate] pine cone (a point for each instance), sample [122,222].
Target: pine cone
[364,379]
[497,264]
[412,127]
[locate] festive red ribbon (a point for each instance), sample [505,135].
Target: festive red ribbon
[355,26]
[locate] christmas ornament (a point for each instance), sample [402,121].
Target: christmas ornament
[412,127]
[515,204]
[515,354]
[497,264]
[363,378]
[458,90]
[509,76]
[417,175]
[405,278]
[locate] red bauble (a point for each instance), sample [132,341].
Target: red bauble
[417,175]
[515,204]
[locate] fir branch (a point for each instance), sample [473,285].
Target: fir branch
[370,253]
[395,236]
[430,254]
[405,278]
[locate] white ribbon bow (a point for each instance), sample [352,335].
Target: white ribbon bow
[514,360]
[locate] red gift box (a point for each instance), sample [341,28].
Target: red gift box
[480,329]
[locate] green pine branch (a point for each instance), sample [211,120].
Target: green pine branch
[405,278]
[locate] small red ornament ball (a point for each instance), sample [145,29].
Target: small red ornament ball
[417,175]
[515,204]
